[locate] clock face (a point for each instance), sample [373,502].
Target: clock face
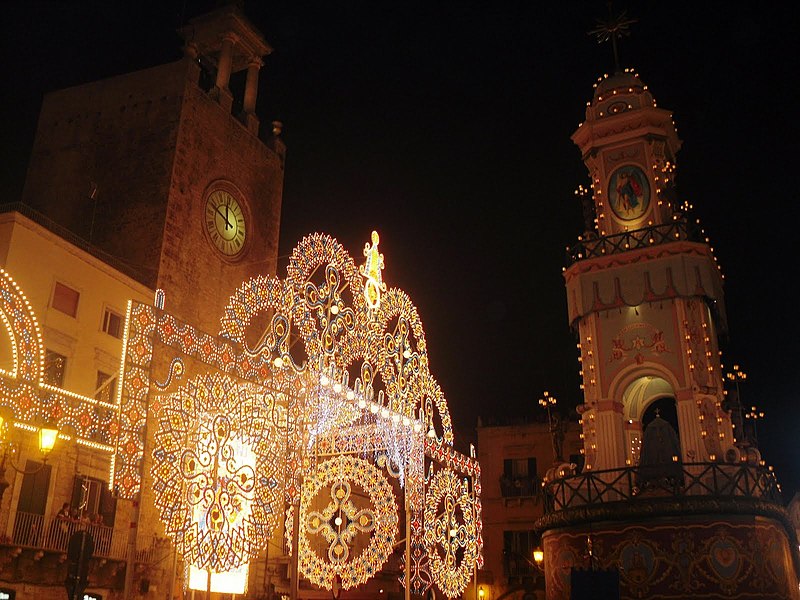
[225,222]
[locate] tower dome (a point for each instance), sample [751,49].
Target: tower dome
[618,93]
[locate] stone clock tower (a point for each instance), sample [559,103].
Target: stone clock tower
[166,171]
[644,291]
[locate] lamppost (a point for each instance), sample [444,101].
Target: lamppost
[547,401]
[46,439]
[554,424]
[736,376]
[755,415]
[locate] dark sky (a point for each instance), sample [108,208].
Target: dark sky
[446,126]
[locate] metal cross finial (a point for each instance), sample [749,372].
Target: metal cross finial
[613,28]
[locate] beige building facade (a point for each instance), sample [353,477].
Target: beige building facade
[77,303]
[515,460]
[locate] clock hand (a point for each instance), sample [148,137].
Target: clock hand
[227,223]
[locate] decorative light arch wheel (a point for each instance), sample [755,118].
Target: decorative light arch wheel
[215,471]
[450,532]
[343,518]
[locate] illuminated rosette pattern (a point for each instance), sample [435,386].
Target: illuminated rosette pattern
[329,306]
[348,522]
[215,464]
[450,532]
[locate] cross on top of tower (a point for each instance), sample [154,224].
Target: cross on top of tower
[612,28]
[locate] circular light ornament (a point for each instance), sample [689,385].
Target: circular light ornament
[450,532]
[214,471]
[334,515]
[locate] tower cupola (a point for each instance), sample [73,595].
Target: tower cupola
[629,146]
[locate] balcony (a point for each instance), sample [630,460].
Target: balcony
[36,552]
[516,487]
[52,535]
[678,230]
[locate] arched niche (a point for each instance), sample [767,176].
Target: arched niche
[641,397]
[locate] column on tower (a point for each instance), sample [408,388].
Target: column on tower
[251,93]
[692,445]
[609,428]
[224,68]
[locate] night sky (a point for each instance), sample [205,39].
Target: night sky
[446,127]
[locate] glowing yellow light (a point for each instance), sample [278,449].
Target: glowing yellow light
[47,439]
[229,582]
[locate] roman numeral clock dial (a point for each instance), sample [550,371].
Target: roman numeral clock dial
[225,223]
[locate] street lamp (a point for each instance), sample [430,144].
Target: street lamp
[547,401]
[755,415]
[46,437]
[538,556]
[555,425]
[736,376]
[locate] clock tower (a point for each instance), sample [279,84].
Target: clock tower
[644,290]
[166,172]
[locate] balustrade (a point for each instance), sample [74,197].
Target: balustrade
[698,479]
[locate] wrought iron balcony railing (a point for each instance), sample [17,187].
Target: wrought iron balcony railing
[696,479]
[595,247]
[52,535]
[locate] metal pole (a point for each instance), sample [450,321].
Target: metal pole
[475,518]
[295,551]
[131,558]
[174,571]
[407,574]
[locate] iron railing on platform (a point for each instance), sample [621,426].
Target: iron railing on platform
[595,247]
[690,479]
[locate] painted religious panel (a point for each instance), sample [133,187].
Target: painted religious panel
[629,193]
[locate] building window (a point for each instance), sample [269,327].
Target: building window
[112,323]
[91,497]
[519,477]
[518,549]
[55,365]
[105,387]
[65,299]
[29,522]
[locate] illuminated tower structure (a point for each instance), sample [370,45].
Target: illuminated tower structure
[700,516]
[644,291]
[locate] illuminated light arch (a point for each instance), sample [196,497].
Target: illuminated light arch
[340,334]
[257,295]
[23,331]
[216,465]
[357,389]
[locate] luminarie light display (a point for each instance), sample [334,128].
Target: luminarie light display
[250,425]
